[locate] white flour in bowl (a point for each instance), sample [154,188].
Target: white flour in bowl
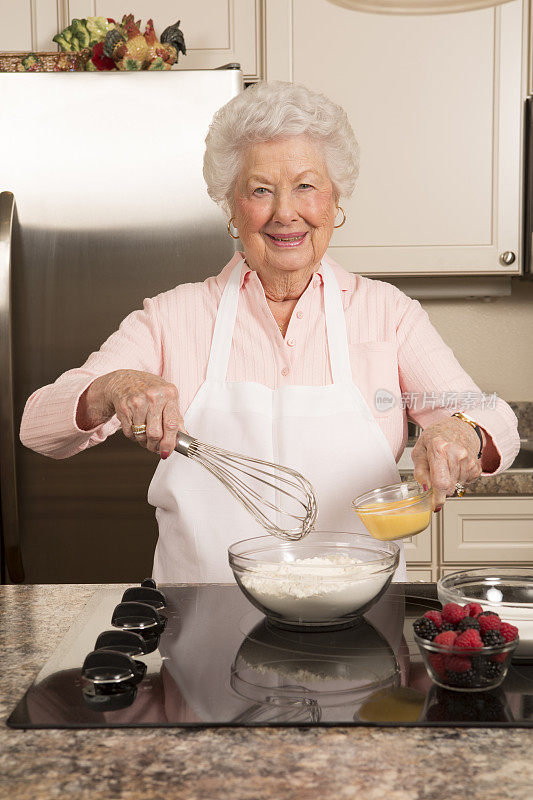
[315,589]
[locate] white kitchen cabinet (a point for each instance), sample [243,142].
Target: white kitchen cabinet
[419,549]
[414,574]
[436,103]
[493,530]
[28,24]
[216,33]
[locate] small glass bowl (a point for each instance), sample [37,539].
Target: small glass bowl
[395,511]
[308,595]
[508,591]
[466,670]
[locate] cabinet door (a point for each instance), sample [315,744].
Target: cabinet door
[416,575]
[436,103]
[478,530]
[419,548]
[29,25]
[215,32]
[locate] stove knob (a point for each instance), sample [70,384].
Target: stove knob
[127,642]
[149,582]
[140,618]
[97,700]
[109,669]
[145,594]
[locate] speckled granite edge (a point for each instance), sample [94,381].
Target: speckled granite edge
[524,413]
[507,484]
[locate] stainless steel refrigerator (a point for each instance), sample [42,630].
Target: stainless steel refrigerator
[103,204]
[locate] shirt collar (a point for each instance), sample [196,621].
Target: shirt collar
[341,275]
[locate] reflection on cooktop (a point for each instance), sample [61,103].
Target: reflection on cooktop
[211,659]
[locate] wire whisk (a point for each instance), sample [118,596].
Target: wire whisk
[233,470]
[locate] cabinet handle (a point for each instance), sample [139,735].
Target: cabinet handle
[507,258]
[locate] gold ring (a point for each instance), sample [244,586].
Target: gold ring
[459,490]
[138,430]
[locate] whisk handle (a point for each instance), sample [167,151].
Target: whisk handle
[183,443]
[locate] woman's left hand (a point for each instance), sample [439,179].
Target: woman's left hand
[446,454]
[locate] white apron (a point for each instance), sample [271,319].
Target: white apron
[327,433]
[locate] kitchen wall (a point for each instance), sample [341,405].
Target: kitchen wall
[492,340]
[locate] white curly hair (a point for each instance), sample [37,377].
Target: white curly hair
[273,111]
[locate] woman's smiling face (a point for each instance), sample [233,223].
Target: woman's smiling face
[284,205]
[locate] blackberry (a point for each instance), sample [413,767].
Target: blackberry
[487,614]
[490,671]
[425,628]
[446,626]
[492,639]
[478,665]
[467,679]
[468,622]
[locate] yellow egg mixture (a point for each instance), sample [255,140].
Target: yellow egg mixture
[389,525]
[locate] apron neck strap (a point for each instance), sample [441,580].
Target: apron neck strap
[224,326]
[336,333]
[337,337]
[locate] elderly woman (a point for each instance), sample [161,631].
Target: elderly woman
[282,355]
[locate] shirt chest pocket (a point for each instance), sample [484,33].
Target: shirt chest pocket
[375,373]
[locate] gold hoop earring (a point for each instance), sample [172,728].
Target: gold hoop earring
[229,229]
[339,208]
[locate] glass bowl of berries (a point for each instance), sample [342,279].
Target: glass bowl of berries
[465,648]
[508,591]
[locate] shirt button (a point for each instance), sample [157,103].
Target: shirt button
[299,314]
[284,372]
[291,342]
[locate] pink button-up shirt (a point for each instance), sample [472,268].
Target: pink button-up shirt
[399,361]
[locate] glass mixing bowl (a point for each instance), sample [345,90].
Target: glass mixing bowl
[327,580]
[508,591]
[395,511]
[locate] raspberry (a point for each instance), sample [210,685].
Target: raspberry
[473,609]
[425,628]
[489,622]
[469,640]
[434,616]
[458,664]
[438,663]
[446,639]
[467,623]
[492,639]
[508,631]
[499,658]
[453,612]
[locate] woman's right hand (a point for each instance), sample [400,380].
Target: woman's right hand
[137,398]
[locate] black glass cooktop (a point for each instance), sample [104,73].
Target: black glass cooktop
[216,661]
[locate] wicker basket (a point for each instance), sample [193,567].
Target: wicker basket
[44,62]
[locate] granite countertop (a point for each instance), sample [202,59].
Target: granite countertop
[241,764]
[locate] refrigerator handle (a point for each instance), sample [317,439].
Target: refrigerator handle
[8,475]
